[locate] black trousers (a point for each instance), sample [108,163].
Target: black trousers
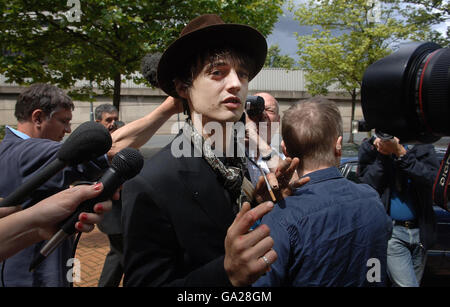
[113,268]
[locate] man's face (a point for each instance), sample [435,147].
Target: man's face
[270,115]
[218,93]
[55,127]
[271,108]
[108,120]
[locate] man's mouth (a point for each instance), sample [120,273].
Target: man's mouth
[232,102]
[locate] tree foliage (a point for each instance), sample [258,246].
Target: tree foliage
[42,43]
[275,59]
[349,35]
[430,13]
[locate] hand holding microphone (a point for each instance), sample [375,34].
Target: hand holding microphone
[89,141]
[40,222]
[50,212]
[125,165]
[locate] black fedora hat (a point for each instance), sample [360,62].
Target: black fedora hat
[203,32]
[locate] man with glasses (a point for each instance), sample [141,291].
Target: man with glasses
[44,113]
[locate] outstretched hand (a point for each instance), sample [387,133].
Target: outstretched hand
[54,209]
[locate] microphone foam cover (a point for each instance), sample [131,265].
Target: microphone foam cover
[89,141]
[149,67]
[128,162]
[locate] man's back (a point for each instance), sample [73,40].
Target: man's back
[326,233]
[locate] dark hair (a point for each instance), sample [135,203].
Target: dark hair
[104,108]
[42,96]
[310,129]
[195,64]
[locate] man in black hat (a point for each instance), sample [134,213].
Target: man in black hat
[185,222]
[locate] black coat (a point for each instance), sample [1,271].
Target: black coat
[175,218]
[419,164]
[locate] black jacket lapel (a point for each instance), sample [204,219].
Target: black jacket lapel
[200,179]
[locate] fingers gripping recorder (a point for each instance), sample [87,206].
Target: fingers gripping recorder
[125,165]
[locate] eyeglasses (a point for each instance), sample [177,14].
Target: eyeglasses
[64,121]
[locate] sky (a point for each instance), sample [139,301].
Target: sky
[283,33]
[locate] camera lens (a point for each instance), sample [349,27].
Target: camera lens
[254,106]
[406,94]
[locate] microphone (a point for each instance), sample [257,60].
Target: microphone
[126,164]
[89,141]
[149,67]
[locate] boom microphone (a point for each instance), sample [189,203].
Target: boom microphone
[89,141]
[149,67]
[126,164]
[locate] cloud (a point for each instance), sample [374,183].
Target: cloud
[284,31]
[284,34]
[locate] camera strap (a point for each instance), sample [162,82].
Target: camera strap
[441,183]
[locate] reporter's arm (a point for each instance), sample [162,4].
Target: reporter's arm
[5,211]
[138,132]
[39,222]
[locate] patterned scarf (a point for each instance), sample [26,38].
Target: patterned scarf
[230,174]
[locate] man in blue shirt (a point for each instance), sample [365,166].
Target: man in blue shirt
[44,113]
[331,231]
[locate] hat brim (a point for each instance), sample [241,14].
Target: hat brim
[240,37]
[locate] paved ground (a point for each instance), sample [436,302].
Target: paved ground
[91,252]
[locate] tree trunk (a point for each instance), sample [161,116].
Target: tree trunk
[352,116]
[117,88]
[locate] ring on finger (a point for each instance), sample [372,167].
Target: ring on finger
[266,260]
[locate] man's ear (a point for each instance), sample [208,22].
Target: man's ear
[37,117]
[338,147]
[181,89]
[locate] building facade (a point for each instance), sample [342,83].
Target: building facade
[287,86]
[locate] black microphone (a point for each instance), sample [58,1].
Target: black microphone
[149,67]
[89,141]
[126,164]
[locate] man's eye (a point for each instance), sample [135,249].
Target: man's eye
[243,75]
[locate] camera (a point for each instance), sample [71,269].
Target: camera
[406,94]
[362,126]
[254,106]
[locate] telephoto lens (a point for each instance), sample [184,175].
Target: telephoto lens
[406,94]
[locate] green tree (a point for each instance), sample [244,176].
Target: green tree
[430,13]
[349,36]
[2,132]
[275,59]
[43,43]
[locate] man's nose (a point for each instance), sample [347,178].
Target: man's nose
[234,82]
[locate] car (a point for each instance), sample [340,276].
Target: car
[438,257]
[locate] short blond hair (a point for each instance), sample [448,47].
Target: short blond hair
[310,129]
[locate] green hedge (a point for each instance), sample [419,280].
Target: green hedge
[2,132]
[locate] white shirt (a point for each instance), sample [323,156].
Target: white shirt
[254,171]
